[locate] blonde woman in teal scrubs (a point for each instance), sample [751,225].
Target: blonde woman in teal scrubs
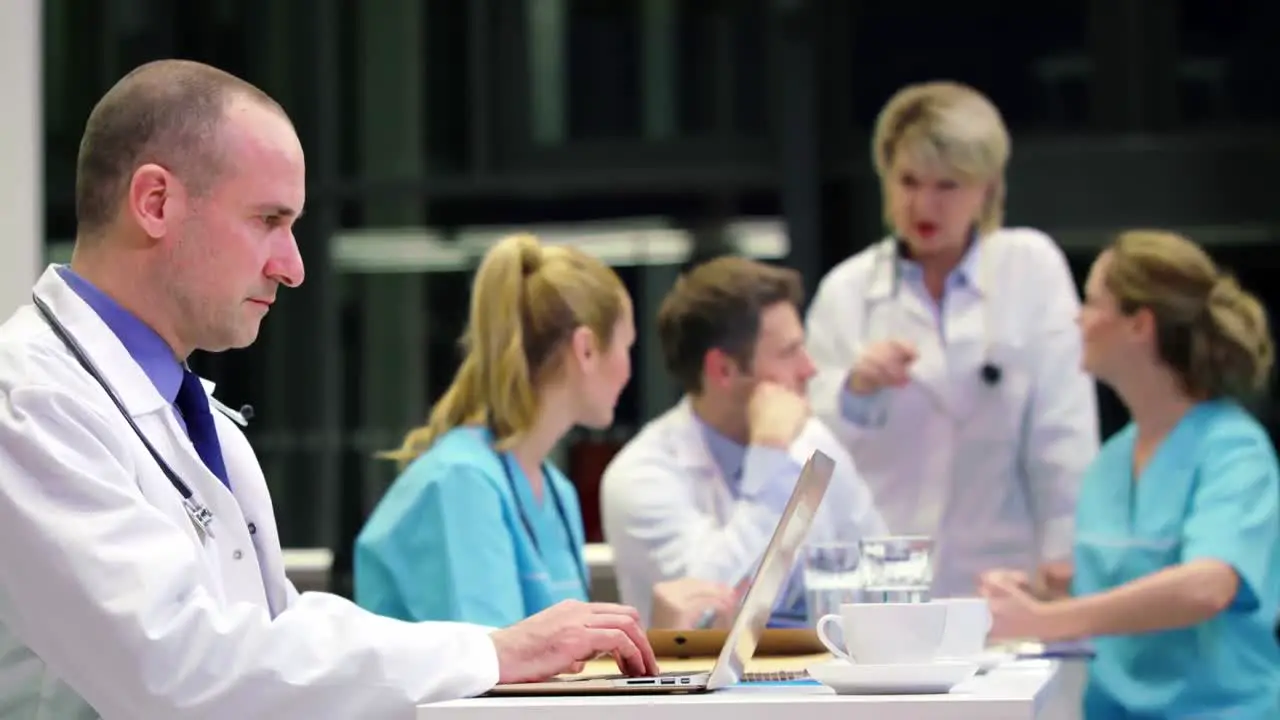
[1177,551]
[480,526]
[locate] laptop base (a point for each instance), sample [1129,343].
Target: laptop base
[664,684]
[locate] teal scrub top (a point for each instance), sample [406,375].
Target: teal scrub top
[1210,490]
[447,542]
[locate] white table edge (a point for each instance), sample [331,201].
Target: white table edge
[1021,684]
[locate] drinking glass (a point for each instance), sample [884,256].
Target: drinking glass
[896,569]
[830,578]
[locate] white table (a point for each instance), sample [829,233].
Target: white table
[604,584]
[599,557]
[1020,691]
[308,568]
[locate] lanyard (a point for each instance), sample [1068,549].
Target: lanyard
[528,527]
[200,514]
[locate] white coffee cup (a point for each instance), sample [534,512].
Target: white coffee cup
[884,633]
[968,622]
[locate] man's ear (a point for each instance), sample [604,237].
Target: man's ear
[718,368]
[151,197]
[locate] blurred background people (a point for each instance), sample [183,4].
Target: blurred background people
[698,492]
[1177,552]
[947,354]
[480,526]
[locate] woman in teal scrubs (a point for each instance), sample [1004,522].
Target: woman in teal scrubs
[479,526]
[1177,551]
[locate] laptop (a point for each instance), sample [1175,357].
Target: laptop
[749,623]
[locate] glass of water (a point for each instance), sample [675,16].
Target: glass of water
[830,578]
[896,569]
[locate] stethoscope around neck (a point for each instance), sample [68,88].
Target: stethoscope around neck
[890,258]
[550,490]
[201,516]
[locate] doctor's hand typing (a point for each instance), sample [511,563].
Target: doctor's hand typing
[564,636]
[776,415]
[883,364]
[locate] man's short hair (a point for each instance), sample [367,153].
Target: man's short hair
[717,305]
[166,112]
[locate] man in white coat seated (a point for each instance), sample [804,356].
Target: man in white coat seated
[141,575]
[698,492]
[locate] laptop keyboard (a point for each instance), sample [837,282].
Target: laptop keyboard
[775,676]
[770,676]
[750,677]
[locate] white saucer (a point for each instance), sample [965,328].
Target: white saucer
[936,677]
[987,660]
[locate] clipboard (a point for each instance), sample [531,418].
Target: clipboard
[775,642]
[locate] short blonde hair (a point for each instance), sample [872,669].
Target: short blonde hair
[526,302]
[948,125]
[1211,332]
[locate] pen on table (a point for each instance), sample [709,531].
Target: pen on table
[1056,651]
[1064,654]
[704,622]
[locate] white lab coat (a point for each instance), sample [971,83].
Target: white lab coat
[111,605]
[668,512]
[990,472]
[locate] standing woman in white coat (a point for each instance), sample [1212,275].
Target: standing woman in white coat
[949,362]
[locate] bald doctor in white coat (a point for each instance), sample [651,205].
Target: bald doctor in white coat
[115,600]
[948,356]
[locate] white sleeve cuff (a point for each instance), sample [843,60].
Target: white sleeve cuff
[464,664]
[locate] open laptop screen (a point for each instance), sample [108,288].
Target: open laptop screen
[775,568]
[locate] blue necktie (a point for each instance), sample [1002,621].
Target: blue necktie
[194,406]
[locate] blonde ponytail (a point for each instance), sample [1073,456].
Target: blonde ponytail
[499,313]
[526,301]
[1231,350]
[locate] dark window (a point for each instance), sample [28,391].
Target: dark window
[636,69]
[721,67]
[1029,58]
[1227,62]
[603,69]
